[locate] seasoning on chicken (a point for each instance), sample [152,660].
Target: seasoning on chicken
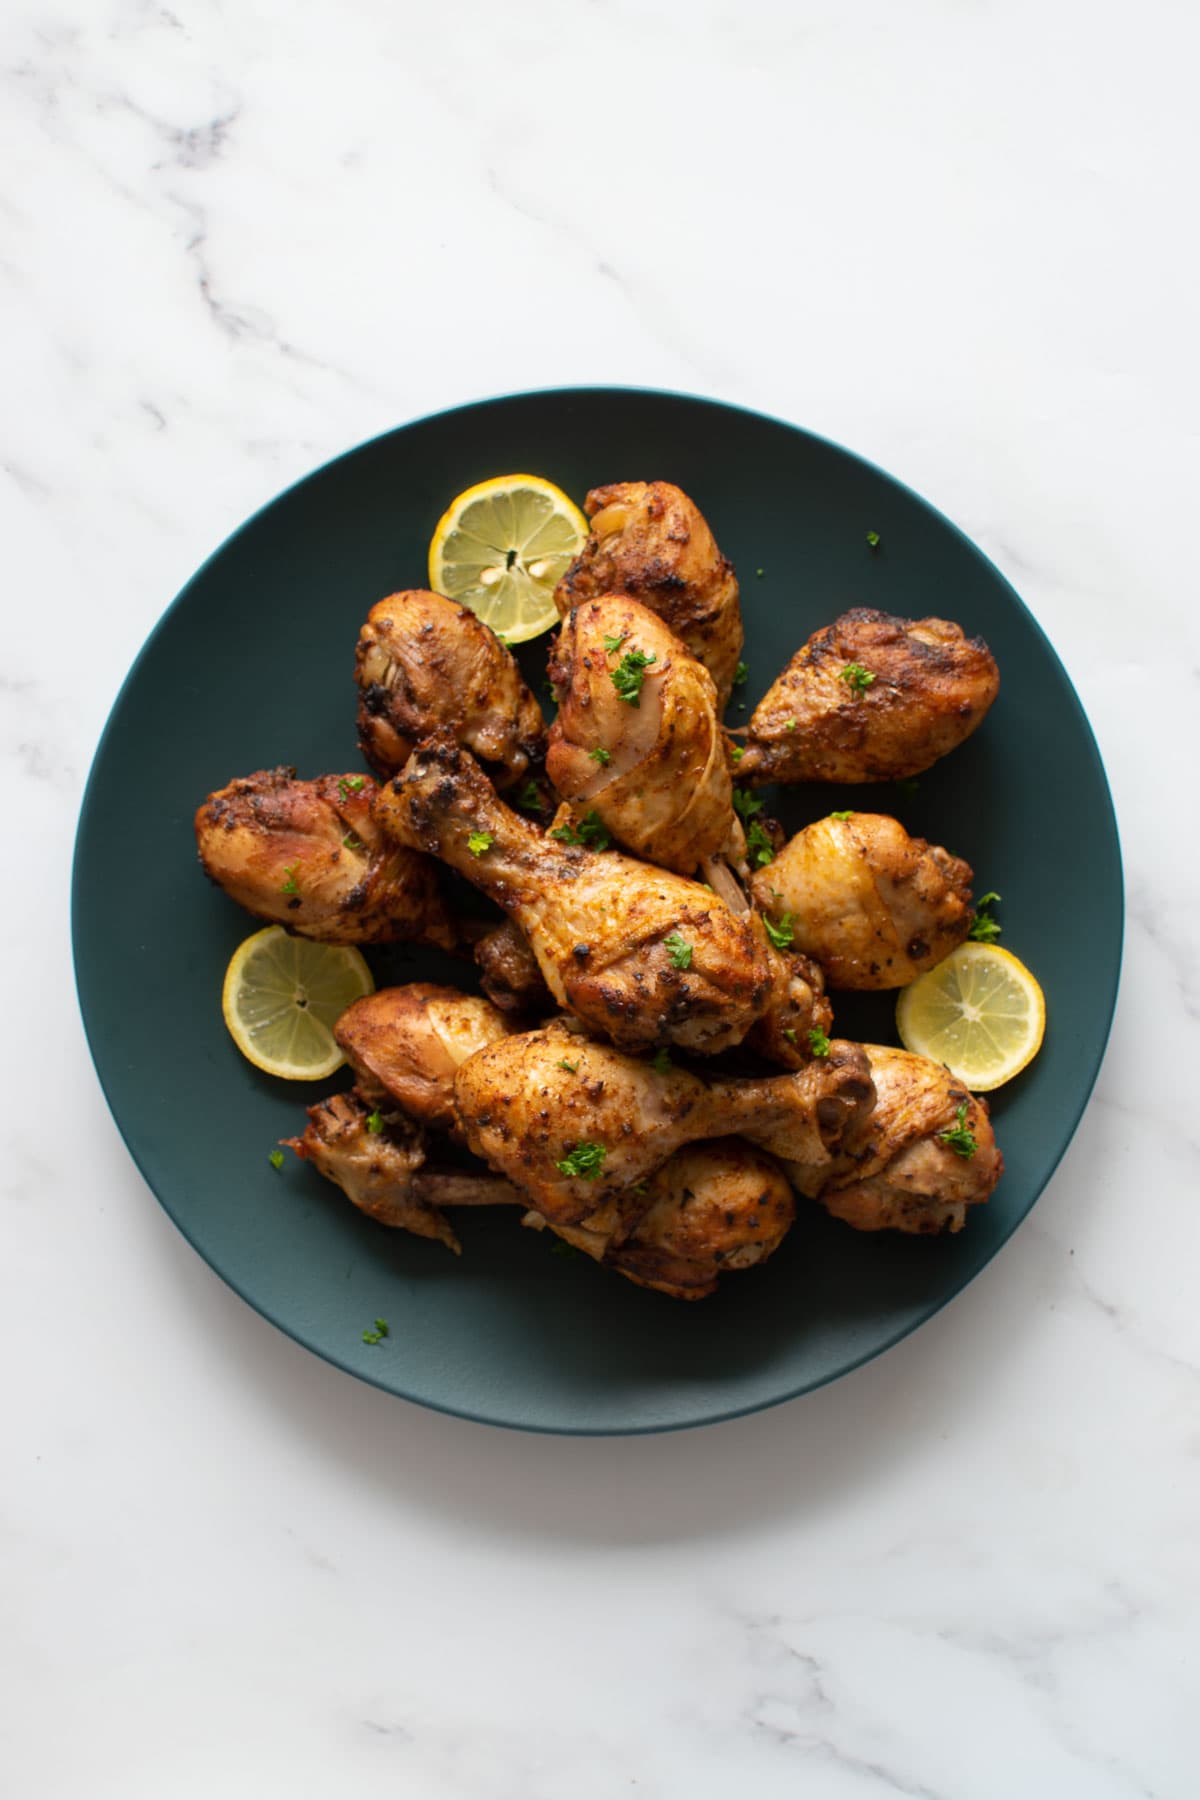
[648,540]
[873,906]
[309,855]
[509,973]
[637,736]
[870,698]
[378,1162]
[637,953]
[576,1124]
[923,1156]
[405,1045]
[424,661]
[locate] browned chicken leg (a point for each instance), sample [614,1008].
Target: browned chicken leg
[924,1154]
[425,661]
[648,540]
[576,1123]
[872,905]
[637,736]
[870,698]
[378,1162]
[405,1045]
[310,855]
[638,954]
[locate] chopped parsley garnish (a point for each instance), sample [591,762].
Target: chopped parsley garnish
[375,1122]
[789,724]
[873,540]
[818,1042]
[289,886]
[571,1068]
[530,798]
[351,842]
[746,804]
[629,675]
[591,831]
[789,1032]
[759,847]
[957,1137]
[377,1334]
[585,1161]
[549,688]
[760,572]
[855,676]
[985,929]
[737,751]
[349,784]
[613,644]
[601,755]
[841,815]
[276,1159]
[479,841]
[780,934]
[740,674]
[679,949]
[661,1061]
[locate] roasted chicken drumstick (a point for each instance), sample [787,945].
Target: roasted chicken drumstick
[425,661]
[309,855]
[637,736]
[405,1045]
[636,953]
[870,698]
[648,540]
[872,905]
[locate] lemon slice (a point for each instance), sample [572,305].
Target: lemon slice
[980,1012]
[502,547]
[282,998]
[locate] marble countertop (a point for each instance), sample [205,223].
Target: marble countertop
[958,238]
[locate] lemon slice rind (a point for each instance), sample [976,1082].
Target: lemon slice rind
[979,1011]
[282,996]
[502,546]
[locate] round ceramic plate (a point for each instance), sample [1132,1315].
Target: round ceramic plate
[252,666]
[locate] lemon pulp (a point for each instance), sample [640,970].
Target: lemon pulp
[501,548]
[282,997]
[980,1012]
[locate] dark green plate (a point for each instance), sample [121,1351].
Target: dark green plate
[251,666]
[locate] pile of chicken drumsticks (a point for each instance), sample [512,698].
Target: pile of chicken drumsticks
[699,930]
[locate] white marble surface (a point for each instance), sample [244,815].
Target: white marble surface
[959,237]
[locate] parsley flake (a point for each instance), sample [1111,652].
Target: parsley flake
[289,886]
[571,1068]
[585,1161]
[818,1041]
[613,644]
[736,752]
[746,804]
[377,1333]
[855,676]
[661,1061]
[351,842]
[479,842]
[780,934]
[841,815]
[789,725]
[530,798]
[873,540]
[276,1159]
[629,675]
[679,949]
[375,1122]
[759,847]
[985,929]
[789,1032]
[957,1137]
[740,674]
[600,755]
[591,831]
[349,784]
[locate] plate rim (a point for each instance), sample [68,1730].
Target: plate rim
[722,1414]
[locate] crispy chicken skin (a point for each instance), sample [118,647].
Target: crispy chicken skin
[382,1172]
[654,766]
[932,686]
[873,906]
[711,1207]
[648,540]
[528,1102]
[405,1045]
[309,855]
[424,661]
[894,1171]
[598,923]
[509,973]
